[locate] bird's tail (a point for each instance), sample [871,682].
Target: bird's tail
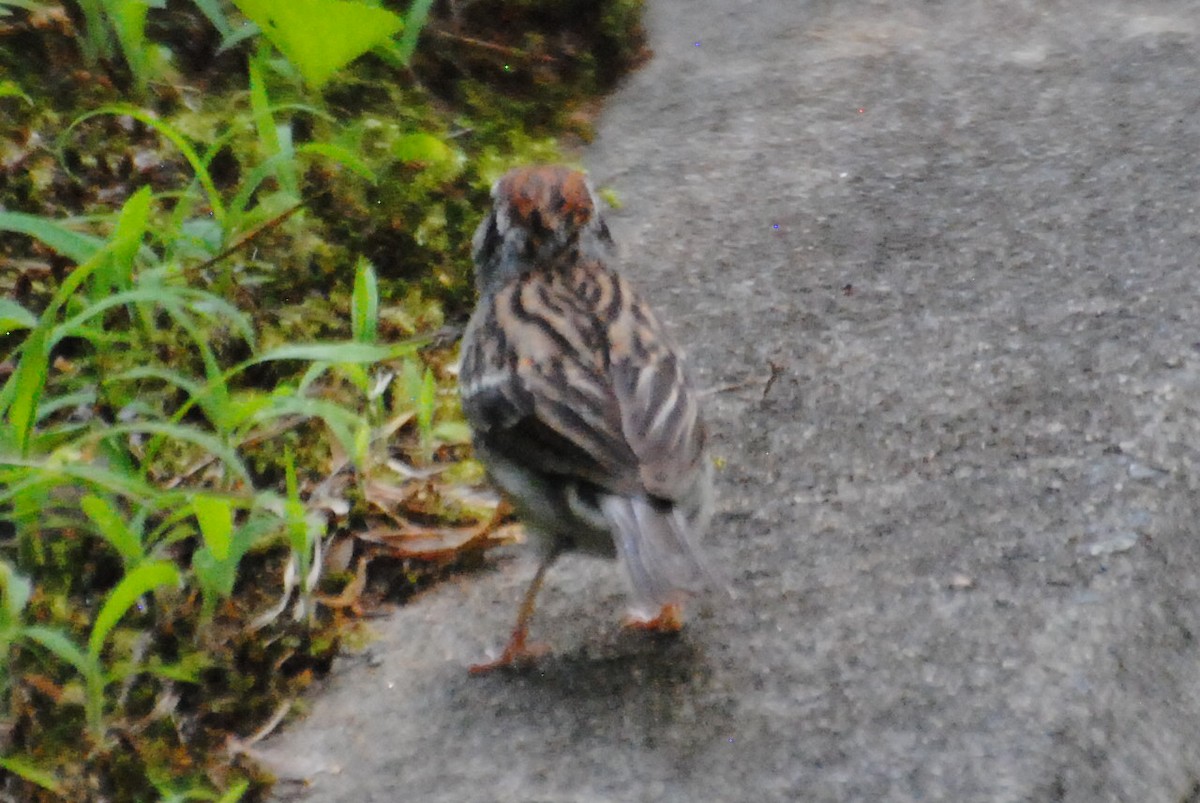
[655,541]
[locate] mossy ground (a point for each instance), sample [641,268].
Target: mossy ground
[491,84]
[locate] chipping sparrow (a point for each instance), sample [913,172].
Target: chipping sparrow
[580,404]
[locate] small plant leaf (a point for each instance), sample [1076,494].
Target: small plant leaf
[60,645]
[426,403]
[217,574]
[411,380]
[187,434]
[328,352]
[71,244]
[423,149]
[16,589]
[216,577]
[297,526]
[124,244]
[414,22]
[133,586]
[343,156]
[452,432]
[49,472]
[186,670]
[216,15]
[13,317]
[347,30]
[27,383]
[364,312]
[275,139]
[30,772]
[235,792]
[340,420]
[214,514]
[10,89]
[244,405]
[113,527]
[129,19]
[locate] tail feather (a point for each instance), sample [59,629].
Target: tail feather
[655,543]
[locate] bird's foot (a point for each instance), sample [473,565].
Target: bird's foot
[669,620]
[518,654]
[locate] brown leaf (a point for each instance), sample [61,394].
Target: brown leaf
[439,544]
[349,598]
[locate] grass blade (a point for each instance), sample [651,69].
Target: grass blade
[364,304]
[342,422]
[11,89]
[60,645]
[216,15]
[13,317]
[27,383]
[426,402]
[186,434]
[182,381]
[133,586]
[214,514]
[235,793]
[113,527]
[264,124]
[332,352]
[16,590]
[73,245]
[52,473]
[175,138]
[30,772]
[126,240]
[343,156]
[414,23]
[297,525]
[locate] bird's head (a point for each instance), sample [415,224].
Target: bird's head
[542,216]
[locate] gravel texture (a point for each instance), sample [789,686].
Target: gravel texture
[961,521]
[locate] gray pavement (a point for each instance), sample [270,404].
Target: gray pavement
[962,521]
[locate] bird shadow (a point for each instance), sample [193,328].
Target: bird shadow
[634,688]
[630,661]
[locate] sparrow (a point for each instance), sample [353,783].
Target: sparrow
[580,404]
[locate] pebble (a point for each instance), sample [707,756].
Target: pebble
[1120,542]
[1138,471]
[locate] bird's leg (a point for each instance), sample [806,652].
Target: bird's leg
[519,651]
[669,620]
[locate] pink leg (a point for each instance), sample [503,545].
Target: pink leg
[519,652]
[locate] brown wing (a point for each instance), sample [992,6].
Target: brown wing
[571,374]
[535,388]
[660,410]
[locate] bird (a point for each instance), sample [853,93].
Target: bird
[582,409]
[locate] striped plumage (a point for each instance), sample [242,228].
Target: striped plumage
[580,403]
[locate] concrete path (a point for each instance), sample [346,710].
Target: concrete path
[962,519]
